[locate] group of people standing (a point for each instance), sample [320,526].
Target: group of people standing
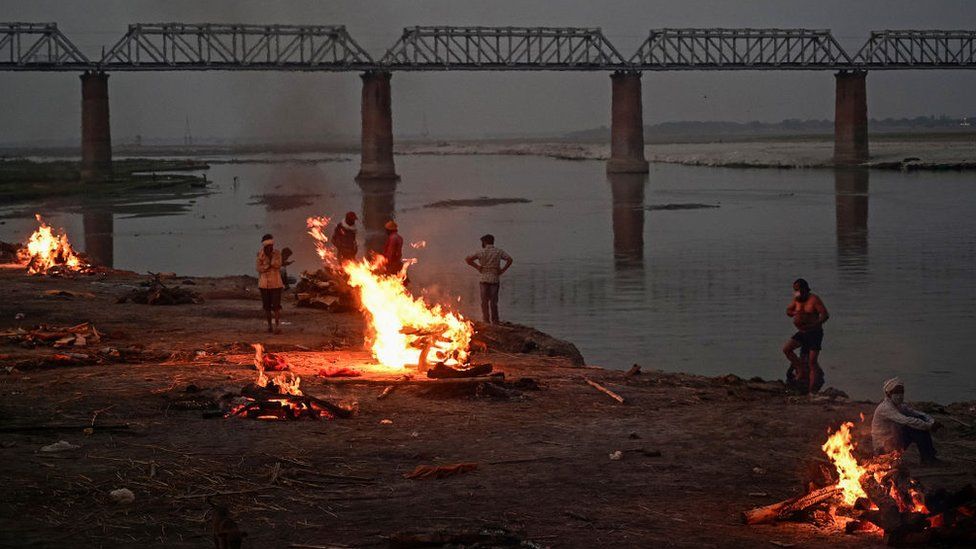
[490,262]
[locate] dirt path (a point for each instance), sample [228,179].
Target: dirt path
[544,469]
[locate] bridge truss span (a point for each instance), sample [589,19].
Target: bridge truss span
[205,46]
[503,48]
[740,49]
[918,49]
[38,46]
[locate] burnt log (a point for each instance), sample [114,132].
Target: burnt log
[265,395]
[786,509]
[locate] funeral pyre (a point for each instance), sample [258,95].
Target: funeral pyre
[403,330]
[877,495]
[49,252]
[279,396]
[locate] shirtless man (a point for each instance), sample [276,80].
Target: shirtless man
[809,314]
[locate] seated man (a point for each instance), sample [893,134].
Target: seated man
[897,425]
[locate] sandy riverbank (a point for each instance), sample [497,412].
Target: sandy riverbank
[544,470]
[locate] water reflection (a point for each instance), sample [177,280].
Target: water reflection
[99,241]
[627,190]
[851,195]
[379,203]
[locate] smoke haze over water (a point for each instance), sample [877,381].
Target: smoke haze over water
[252,106]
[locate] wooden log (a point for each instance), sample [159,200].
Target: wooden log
[888,516]
[604,390]
[784,509]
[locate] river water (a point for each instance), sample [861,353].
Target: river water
[598,260]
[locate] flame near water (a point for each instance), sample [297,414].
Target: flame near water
[839,448]
[47,249]
[399,324]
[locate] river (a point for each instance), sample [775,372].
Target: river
[600,261]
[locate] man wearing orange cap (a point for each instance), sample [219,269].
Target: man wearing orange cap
[344,238]
[393,250]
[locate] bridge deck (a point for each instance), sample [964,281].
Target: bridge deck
[236,47]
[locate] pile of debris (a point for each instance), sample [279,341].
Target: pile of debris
[10,252]
[325,289]
[79,335]
[154,292]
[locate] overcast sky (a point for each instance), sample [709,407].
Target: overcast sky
[251,105]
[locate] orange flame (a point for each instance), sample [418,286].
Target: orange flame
[838,448]
[46,249]
[399,325]
[286,382]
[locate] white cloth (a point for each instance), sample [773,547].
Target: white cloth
[490,259]
[890,385]
[890,418]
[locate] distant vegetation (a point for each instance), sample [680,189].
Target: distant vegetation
[790,126]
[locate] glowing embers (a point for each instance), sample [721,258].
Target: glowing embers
[48,252]
[279,396]
[402,330]
[876,495]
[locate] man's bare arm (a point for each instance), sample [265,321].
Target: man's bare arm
[472,260]
[508,263]
[791,308]
[821,311]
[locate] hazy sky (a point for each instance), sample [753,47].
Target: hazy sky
[249,105]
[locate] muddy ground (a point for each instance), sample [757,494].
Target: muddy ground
[543,457]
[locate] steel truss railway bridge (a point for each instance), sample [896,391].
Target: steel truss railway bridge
[312,48]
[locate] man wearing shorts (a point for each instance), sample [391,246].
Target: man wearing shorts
[269,281]
[809,314]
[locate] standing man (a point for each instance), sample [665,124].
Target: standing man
[344,238]
[488,262]
[268,265]
[896,425]
[393,250]
[809,314]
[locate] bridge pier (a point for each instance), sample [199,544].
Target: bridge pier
[96,133]
[851,118]
[377,133]
[626,124]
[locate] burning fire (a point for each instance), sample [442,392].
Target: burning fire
[402,329]
[839,448]
[46,250]
[286,382]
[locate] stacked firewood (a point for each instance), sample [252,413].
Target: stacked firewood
[896,504]
[324,289]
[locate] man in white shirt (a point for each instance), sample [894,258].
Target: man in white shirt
[897,425]
[488,262]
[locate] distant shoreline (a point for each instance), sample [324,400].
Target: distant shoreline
[898,151]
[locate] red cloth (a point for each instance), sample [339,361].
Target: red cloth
[393,252]
[339,372]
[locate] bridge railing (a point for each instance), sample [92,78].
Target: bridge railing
[38,46]
[918,49]
[502,48]
[205,46]
[740,49]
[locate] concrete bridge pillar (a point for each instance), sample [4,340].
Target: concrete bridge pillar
[379,206]
[377,137]
[851,118]
[96,134]
[626,124]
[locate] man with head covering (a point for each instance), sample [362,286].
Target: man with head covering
[268,265]
[897,425]
[393,250]
[809,314]
[344,238]
[488,262]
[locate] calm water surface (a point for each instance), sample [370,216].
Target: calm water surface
[892,254]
